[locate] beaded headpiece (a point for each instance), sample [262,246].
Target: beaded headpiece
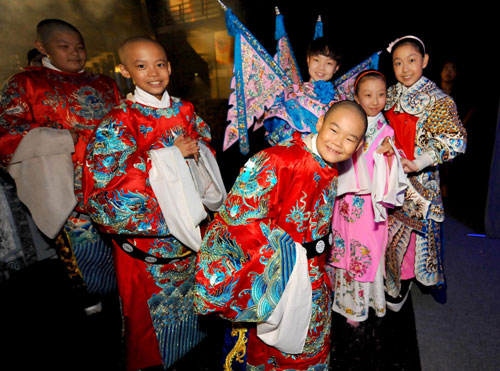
[391,45]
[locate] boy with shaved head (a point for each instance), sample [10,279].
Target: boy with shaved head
[141,165]
[47,114]
[262,261]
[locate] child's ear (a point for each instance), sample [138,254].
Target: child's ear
[40,47]
[124,71]
[169,67]
[426,60]
[319,124]
[356,99]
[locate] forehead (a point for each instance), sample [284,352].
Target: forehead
[405,50]
[348,119]
[372,82]
[59,34]
[144,50]
[321,57]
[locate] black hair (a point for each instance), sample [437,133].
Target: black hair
[352,105]
[405,41]
[365,75]
[45,28]
[32,54]
[323,46]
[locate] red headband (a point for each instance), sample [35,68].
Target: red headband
[366,73]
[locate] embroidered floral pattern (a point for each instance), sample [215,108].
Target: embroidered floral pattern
[353,212]
[360,259]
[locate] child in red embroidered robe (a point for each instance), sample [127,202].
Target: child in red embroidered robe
[129,197]
[46,117]
[253,268]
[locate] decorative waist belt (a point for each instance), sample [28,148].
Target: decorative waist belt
[319,246]
[136,253]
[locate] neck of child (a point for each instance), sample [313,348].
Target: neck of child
[48,64]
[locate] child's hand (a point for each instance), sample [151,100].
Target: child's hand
[187,146]
[408,166]
[385,147]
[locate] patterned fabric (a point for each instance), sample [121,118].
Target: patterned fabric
[94,257]
[42,97]
[256,82]
[156,298]
[283,194]
[298,109]
[17,249]
[439,134]
[118,195]
[359,242]
[284,53]
[353,299]
[345,83]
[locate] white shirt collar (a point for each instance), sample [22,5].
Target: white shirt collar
[48,64]
[143,97]
[314,148]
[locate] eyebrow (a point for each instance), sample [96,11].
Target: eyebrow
[67,41]
[348,134]
[156,60]
[411,55]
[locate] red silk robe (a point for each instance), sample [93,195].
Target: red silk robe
[119,198]
[283,194]
[42,97]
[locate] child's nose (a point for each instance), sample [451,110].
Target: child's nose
[336,140]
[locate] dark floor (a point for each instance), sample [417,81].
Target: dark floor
[377,344]
[43,328]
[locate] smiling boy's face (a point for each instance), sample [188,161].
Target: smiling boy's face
[146,63]
[65,49]
[340,134]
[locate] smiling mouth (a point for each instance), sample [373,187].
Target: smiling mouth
[334,151]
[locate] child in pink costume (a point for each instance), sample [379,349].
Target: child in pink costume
[372,182]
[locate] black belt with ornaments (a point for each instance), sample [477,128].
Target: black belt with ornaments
[317,247]
[136,253]
[313,249]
